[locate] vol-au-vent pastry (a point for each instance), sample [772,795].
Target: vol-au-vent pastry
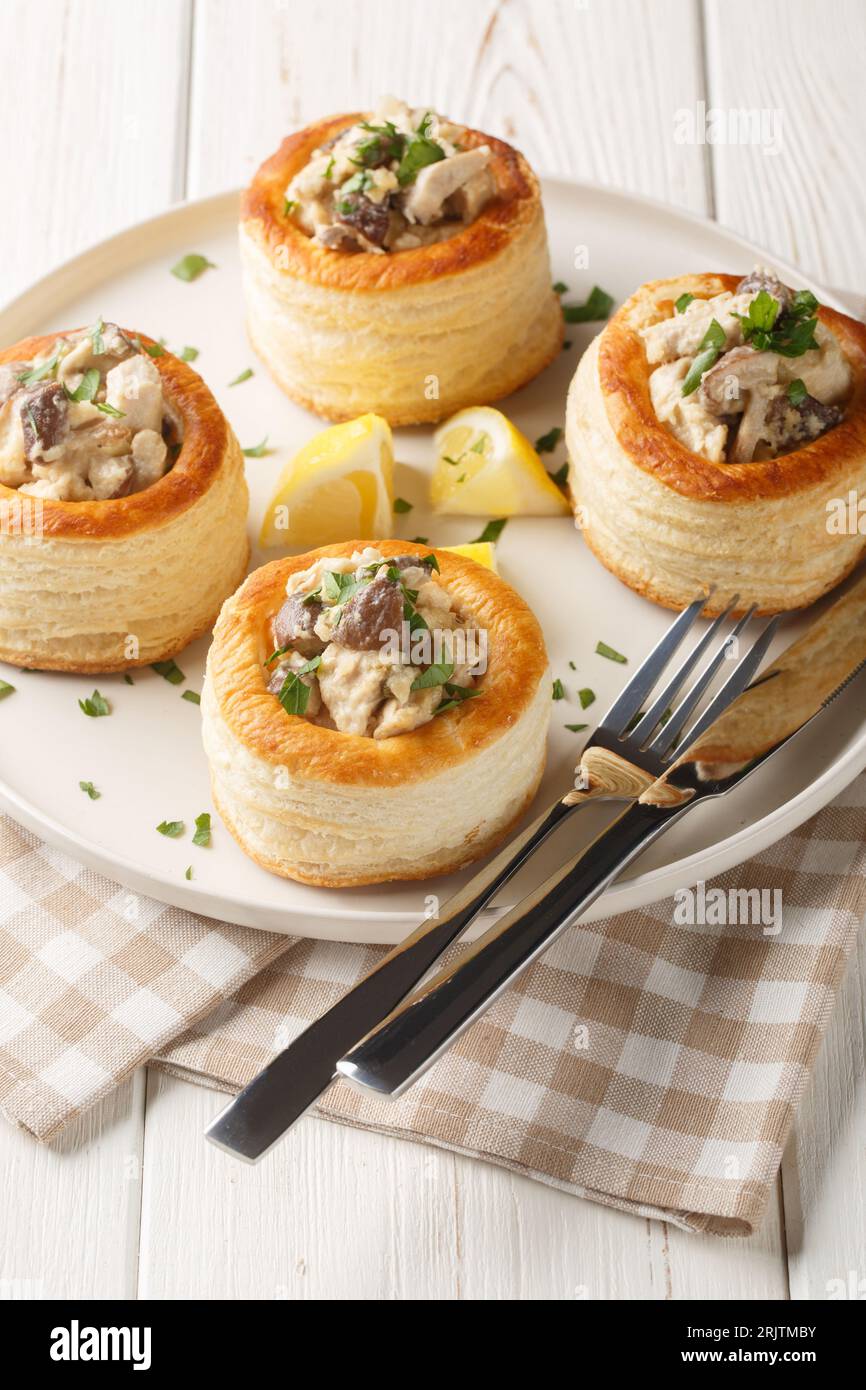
[374,712]
[714,427]
[397,262]
[123,502]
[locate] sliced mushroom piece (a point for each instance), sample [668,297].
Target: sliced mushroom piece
[751,430]
[82,356]
[762,279]
[44,412]
[725,386]
[787,426]
[294,626]
[111,477]
[376,609]
[438,182]
[469,200]
[372,221]
[9,383]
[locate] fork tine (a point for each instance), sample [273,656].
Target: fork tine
[642,731]
[667,735]
[627,704]
[736,683]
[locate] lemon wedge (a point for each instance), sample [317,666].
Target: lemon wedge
[486,467]
[482,552]
[338,487]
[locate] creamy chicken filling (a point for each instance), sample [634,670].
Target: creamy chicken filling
[87,421]
[399,180]
[371,646]
[746,376]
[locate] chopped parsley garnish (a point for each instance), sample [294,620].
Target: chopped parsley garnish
[560,288]
[188,873]
[154,349]
[97,339]
[437,674]
[87,386]
[429,559]
[48,368]
[128,678]
[456,696]
[558,690]
[191,266]
[790,332]
[401,505]
[170,671]
[710,350]
[193,697]
[188,354]
[171,828]
[95,707]
[338,588]
[560,477]
[418,153]
[480,444]
[242,376]
[294,695]
[548,442]
[602,649]
[329,172]
[492,531]
[576,728]
[110,410]
[423,540]
[567,343]
[6,689]
[597,307]
[572,666]
[89,790]
[586,697]
[797,392]
[289,206]
[385,143]
[257,451]
[202,830]
[358,183]
[683,303]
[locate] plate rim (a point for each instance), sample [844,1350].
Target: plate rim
[639,892]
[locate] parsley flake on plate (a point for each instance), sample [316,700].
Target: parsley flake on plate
[202,830]
[171,828]
[596,308]
[89,789]
[191,266]
[602,649]
[96,706]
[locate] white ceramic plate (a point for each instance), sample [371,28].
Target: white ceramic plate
[146,759]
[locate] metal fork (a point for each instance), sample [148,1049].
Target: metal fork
[251,1123]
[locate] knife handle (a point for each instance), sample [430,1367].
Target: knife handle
[254,1120]
[406,1043]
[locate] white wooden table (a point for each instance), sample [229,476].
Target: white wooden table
[110,112]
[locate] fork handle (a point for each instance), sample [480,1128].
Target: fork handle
[402,1047]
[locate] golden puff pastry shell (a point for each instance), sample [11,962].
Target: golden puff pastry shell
[670,523]
[412,335]
[334,809]
[109,585]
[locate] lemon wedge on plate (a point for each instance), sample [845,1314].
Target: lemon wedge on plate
[338,487]
[482,552]
[486,467]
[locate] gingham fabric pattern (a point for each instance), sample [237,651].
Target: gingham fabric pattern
[643,1063]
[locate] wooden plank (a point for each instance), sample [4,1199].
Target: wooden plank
[94,113]
[91,106]
[807,202]
[802,65]
[575,86]
[71,1230]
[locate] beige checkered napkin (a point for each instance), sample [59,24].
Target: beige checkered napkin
[642,1063]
